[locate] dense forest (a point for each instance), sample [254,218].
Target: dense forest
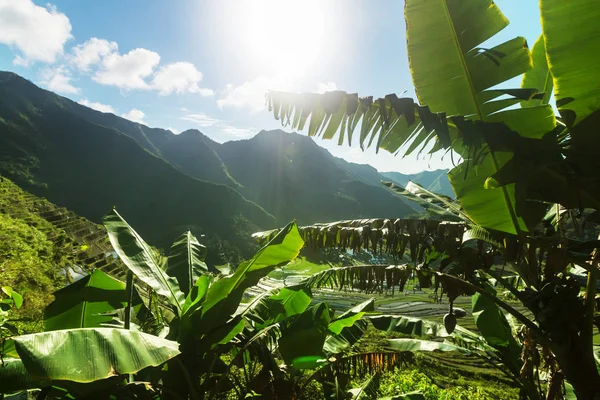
[136,263]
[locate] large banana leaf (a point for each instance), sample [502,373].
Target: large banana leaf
[224,296]
[572,33]
[141,259]
[449,71]
[491,207]
[186,261]
[84,355]
[539,77]
[303,337]
[83,303]
[388,123]
[274,307]
[283,248]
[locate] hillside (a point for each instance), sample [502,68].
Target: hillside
[164,183]
[435,181]
[292,177]
[39,241]
[53,152]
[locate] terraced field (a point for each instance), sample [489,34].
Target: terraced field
[87,243]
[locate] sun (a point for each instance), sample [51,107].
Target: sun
[284,36]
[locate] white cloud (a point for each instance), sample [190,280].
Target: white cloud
[39,33]
[175,131]
[105,108]
[201,119]
[58,80]
[127,71]
[251,95]
[326,87]
[179,77]
[92,52]
[135,115]
[230,131]
[238,133]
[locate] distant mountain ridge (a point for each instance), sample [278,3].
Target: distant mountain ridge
[50,149]
[164,183]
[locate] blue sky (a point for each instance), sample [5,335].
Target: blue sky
[182,64]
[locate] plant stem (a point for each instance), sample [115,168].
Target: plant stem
[129,290]
[188,379]
[587,333]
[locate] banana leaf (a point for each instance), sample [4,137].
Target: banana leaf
[85,303]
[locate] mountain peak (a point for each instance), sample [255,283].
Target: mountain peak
[192,132]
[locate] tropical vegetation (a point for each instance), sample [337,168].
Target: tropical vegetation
[526,181]
[518,243]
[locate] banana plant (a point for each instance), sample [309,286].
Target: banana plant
[519,159]
[197,307]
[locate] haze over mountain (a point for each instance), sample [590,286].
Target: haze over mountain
[164,183]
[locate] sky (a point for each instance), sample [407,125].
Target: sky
[206,64]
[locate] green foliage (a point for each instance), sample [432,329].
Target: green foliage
[83,355]
[81,304]
[395,383]
[186,261]
[29,263]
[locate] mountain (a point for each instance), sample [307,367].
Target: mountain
[292,177]
[435,181]
[50,149]
[89,161]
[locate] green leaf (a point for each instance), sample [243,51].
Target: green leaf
[449,31]
[491,322]
[16,297]
[141,259]
[14,376]
[283,248]
[348,318]
[186,261]
[286,302]
[539,77]
[348,328]
[90,354]
[303,337]
[434,203]
[390,122]
[486,207]
[495,329]
[571,31]
[422,345]
[81,304]
[367,390]
[224,296]
[195,298]
[413,326]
